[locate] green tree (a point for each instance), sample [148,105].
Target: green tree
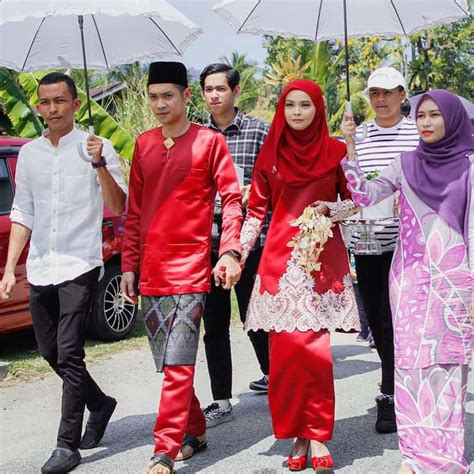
[249,84]
[442,58]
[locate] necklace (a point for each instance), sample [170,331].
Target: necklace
[170,143]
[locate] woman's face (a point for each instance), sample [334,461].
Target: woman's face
[430,122]
[299,110]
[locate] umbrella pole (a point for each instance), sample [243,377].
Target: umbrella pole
[346,54]
[80,19]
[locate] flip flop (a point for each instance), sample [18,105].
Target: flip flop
[163,460]
[193,442]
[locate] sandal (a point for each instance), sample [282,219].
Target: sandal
[194,443]
[161,459]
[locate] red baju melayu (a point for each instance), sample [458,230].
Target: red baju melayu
[167,242]
[294,170]
[171,202]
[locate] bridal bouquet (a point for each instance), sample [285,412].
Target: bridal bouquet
[315,230]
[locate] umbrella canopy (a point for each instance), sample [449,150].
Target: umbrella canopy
[320,20]
[41,34]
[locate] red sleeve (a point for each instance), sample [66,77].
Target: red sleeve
[131,238]
[225,177]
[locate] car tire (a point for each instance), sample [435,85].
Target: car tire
[112,318]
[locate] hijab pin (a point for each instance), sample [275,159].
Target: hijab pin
[274,169]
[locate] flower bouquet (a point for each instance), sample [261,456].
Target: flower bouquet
[308,243]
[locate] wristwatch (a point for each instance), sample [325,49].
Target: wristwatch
[100,163]
[234,254]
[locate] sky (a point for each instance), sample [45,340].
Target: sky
[218,38]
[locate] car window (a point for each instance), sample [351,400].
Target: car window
[6,189]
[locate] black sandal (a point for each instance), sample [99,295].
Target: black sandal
[162,459]
[194,444]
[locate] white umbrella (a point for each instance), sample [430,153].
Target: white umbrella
[320,20]
[42,34]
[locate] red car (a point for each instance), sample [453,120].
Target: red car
[112,318]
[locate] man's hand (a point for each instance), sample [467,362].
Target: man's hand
[94,148]
[7,284]
[321,208]
[245,190]
[227,271]
[127,287]
[348,129]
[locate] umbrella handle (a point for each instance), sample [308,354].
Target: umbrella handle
[82,150]
[361,136]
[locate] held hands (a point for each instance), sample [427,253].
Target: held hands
[348,129]
[7,284]
[95,147]
[227,272]
[127,287]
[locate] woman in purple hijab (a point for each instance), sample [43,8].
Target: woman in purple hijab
[431,280]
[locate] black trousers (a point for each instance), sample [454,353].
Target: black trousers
[60,316]
[372,276]
[217,315]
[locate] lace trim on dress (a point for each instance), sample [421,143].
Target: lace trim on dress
[341,209]
[297,306]
[248,236]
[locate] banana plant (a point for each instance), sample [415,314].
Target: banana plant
[16,106]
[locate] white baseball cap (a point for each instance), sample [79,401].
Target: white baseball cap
[385,78]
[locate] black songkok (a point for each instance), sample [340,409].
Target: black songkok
[168,72]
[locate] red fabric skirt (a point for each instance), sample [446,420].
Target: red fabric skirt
[301,385]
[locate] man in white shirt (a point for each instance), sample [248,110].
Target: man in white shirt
[58,205]
[388,135]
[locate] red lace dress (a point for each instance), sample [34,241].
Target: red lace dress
[285,297]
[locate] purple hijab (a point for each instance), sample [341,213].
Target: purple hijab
[439,173]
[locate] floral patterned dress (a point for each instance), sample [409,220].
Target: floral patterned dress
[431,294]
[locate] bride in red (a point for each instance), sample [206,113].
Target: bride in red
[297,166]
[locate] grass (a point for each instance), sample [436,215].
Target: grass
[20,350]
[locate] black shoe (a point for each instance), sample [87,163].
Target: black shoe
[97,423]
[62,460]
[386,422]
[260,385]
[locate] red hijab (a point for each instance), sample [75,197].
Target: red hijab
[300,156]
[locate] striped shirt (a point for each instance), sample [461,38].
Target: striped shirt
[244,137]
[375,153]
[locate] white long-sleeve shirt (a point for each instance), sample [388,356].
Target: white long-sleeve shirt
[58,197]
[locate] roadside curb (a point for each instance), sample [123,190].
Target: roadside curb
[4,367]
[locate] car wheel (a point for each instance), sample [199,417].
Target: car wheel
[112,317]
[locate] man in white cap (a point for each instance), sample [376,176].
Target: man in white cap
[388,135]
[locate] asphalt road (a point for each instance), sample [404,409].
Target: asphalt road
[29,417]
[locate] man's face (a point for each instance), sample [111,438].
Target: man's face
[168,102]
[57,106]
[386,102]
[218,95]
